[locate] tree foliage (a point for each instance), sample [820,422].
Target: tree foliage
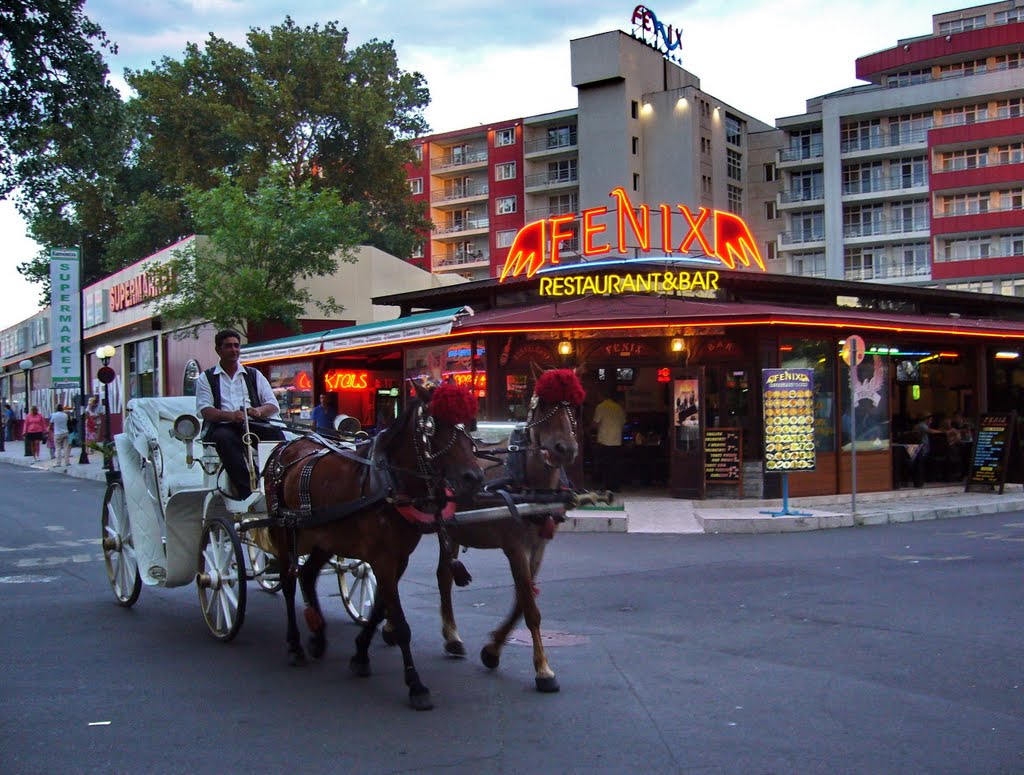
[256,245]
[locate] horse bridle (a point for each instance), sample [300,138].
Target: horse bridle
[533,446]
[423,443]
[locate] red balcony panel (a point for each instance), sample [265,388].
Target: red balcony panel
[920,53]
[977,178]
[986,223]
[1009,128]
[982,267]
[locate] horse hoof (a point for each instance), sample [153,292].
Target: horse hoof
[388,636]
[296,659]
[317,647]
[361,669]
[421,701]
[489,658]
[547,685]
[455,648]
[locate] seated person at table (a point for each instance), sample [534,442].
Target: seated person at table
[224,395]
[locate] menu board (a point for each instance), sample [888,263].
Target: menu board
[788,419]
[992,450]
[723,455]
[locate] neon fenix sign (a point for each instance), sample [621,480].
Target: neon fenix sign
[665,38]
[712,233]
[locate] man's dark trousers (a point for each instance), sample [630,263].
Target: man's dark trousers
[228,439]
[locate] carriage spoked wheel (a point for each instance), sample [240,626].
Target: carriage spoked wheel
[221,578]
[118,549]
[358,587]
[259,560]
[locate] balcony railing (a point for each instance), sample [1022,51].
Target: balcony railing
[990,159]
[801,237]
[813,151]
[548,212]
[449,258]
[977,210]
[888,139]
[887,271]
[459,159]
[552,178]
[802,195]
[460,192]
[550,144]
[466,224]
[881,228]
[886,183]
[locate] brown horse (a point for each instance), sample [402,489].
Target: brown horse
[373,503]
[549,445]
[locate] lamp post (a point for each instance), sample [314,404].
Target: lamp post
[26,366]
[106,376]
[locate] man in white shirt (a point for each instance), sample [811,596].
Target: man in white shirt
[61,443]
[224,395]
[609,419]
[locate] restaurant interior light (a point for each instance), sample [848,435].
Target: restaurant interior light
[1007,355]
[565,347]
[678,345]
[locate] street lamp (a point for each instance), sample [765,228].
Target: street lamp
[26,366]
[106,376]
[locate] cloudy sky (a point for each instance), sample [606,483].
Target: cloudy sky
[485,61]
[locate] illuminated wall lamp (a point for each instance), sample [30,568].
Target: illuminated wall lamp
[1007,355]
[565,347]
[678,345]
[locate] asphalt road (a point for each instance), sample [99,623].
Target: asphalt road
[893,649]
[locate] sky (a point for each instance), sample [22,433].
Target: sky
[486,61]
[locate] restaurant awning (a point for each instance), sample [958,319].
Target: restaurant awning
[612,314]
[400,330]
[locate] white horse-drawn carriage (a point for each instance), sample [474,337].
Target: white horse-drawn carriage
[167,521]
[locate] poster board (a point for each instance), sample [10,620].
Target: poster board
[788,399]
[991,456]
[723,456]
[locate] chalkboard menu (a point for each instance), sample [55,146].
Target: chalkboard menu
[723,455]
[992,450]
[788,419]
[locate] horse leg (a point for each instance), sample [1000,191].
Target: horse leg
[453,645]
[387,632]
[296,656]
[308,575]
[419,695]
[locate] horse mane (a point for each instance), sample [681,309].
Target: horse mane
[557,385]
[387,437]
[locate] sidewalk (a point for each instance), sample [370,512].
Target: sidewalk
[647,513]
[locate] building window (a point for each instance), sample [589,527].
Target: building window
[908,78]
[417,250]
[564,171]
[561,136]
[1010,108]
[964,114]
[504,238]
[809,264]
[636,181]
[504,205]
[735,196]
[860,136]
[771,250]
[705,184]
[418,153]
[961,25]
[734,164]
[770,173]
[634,109]
[733,129]
[859,263]
[636,145]
[564,204]
[769,211]
[504,137]
[141,369]
[960,69]
[506,171]
[1008,17]
[416,185]
[909,128]
[1013,153]
[705,145]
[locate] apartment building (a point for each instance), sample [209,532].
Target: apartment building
[642,123]
[916,177]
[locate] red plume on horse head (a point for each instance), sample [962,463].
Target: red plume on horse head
[560,385]
[452,403]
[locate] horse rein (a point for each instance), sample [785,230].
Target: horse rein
[533,447]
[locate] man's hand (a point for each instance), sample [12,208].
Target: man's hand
[256,412]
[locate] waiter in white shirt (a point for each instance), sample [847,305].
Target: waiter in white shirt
[224,394]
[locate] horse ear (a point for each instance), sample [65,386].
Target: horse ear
[422,392]
[581,369]
[536,370]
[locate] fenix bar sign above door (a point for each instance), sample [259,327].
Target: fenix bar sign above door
[709,237]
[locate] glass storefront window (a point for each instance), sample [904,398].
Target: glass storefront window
[142,368]
[191,374]
[293,388]
[871,393]
[453,360]
[819,355]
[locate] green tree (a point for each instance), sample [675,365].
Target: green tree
[62,139]
[298,98]
[256,246]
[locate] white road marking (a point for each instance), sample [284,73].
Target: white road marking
[99,723]
[27,579]
[912,558]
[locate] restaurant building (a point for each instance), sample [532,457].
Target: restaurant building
[681,336]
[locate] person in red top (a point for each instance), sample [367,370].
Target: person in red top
[35,429]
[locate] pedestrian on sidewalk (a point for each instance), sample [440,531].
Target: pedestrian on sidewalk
[60,437]
[35,430]
[8,423]
[609,420]
[92,421]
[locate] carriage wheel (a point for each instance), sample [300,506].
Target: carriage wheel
[221,579]
[269,581]
[358,587]
[118,549]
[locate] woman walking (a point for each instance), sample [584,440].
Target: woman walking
[92,421]
[35,430]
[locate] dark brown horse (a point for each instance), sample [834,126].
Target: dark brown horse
[536,467]
[373,503]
